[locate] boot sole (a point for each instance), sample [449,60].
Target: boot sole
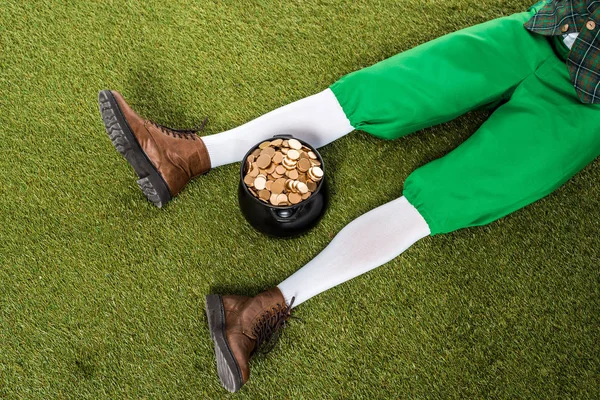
[228,369]
[151,182]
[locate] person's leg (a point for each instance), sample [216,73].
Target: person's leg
[369,241]
[528,148]
[239,325]
[166,159]
[317,119]
[443,79]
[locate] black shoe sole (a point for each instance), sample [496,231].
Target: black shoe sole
[151,182]
[228,369]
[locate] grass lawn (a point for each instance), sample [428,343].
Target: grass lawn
[102,294]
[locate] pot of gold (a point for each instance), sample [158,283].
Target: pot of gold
[282,190]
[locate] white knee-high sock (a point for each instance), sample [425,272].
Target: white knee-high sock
[318,120]
[367,242]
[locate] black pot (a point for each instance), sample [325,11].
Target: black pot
[283,221]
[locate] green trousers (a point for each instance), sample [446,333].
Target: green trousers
[539,137]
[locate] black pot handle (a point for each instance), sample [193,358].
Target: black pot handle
[293,214]
[285,136]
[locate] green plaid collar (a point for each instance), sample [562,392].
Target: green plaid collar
[557,17]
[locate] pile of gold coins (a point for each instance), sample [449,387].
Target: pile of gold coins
[282,172]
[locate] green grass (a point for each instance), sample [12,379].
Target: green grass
[102,294]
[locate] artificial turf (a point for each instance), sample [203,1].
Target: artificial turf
[102,294]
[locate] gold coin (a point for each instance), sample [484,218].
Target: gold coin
[271,169]
[273,199]
[249,180]
[260,182]
[268,151]
[278,186]
[294,144]
[268,185]
[285,143]
[284,150]
[277,157]
[264,145]
[302,178]
[280,169]
[275,175]
[282,198]
[306,195]
[293,155]
[315,173]
[288,164]
[251,159]
[256,152]
[312,155]
[263,161]
[292,174]
[295,198]
[311,186]
[303,165]
[264,194]
[302,188]
[315,163]
[254,171]
[276,142]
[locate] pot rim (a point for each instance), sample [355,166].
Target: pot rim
[293,206]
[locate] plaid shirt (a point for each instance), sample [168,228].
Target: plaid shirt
[558,17]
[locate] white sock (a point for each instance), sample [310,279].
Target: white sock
[367,242]
[318,120]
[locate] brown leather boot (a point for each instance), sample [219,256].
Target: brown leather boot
[238,326]
[165,159]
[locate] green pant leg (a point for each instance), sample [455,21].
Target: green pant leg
[527,148]
[442,79]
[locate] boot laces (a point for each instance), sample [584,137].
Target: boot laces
[181,133]
[268,328]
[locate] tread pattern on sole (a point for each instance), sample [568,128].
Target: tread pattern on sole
[150,192]
[112,126]
[121,142]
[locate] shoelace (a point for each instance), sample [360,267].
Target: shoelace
[268,329]
[182,133]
